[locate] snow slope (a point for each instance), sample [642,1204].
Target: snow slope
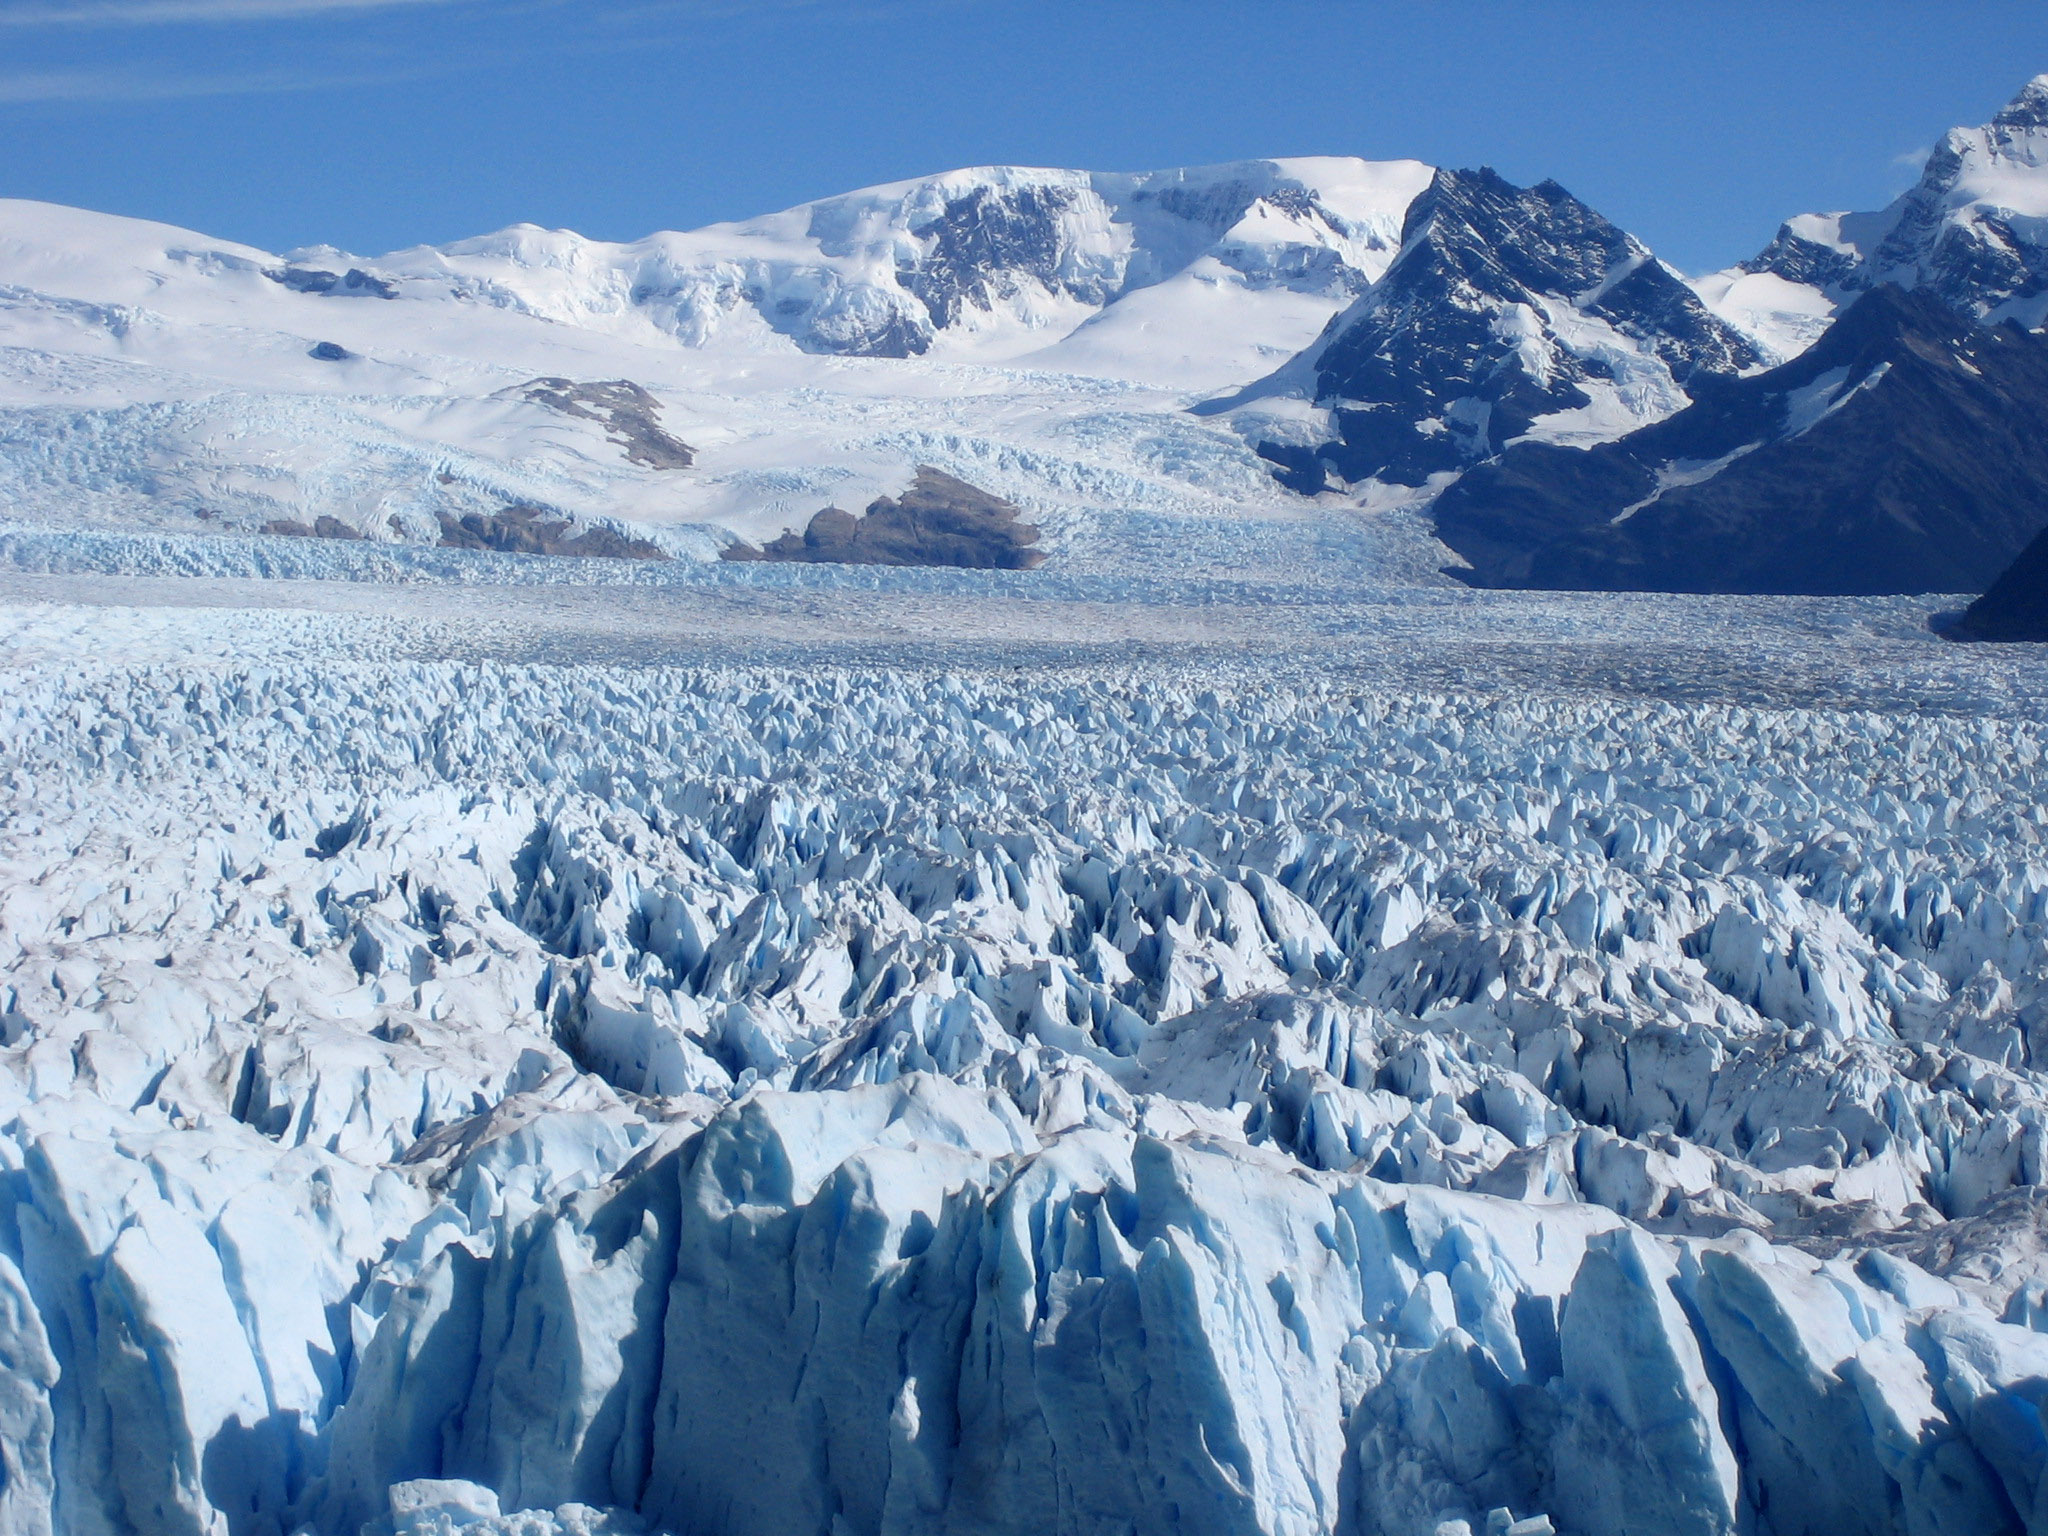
[992,1095]
[1033,332]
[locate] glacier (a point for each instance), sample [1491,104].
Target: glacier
[1229,1031]
[1457,1063]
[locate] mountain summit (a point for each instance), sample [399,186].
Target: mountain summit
[985,264]
[1510,312]
[1973,231]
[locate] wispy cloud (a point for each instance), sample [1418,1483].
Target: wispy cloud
[114,13]
[496,33]
[28,86]
[599,18]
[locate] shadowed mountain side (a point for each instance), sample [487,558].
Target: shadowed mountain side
[938,521]
[2016,606]
[1903,453]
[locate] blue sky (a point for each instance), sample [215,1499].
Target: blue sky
[372,124]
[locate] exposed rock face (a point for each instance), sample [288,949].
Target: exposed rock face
[1508,309]
[628,413]
[354,283]
[329,352]
[938,521]
[986,243]
[516,530]
[2016,606]
[322,527]
[532,531]
[1902,453]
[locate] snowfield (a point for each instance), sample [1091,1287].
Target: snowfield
[934,1055]
[1034,332]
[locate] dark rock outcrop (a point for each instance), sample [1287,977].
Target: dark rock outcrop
[938,521]
[533,531]
[322,527]
[2015,607]
[628,413]
[1903,452]
[329,352]
[354,283]
[1504,303]
[982,244]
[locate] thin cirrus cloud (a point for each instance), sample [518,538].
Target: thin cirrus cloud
[60,14]
[77,13]
[29,86]
[499,32]
[145,75]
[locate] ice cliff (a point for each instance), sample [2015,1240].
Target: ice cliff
[533,1100]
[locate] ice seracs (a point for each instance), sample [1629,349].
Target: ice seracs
[554,1099]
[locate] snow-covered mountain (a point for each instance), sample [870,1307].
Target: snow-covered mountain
[1368,328]
[1033,333]
[1973,232]
[1896,449]
[989,264]
[1511,313]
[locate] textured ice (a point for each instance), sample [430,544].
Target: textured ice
[1403,1088]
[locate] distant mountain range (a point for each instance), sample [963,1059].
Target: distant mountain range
[1899,445]
[1905,451]
[987,265]
[1081,349]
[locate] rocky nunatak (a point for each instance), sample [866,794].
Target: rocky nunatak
[322,527]
[532,531]
[628,413]
[939,520]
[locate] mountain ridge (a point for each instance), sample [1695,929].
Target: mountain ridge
[1901,453]
[1509,312]
[1973,228]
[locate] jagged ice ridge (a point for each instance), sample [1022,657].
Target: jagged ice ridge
[750,1100]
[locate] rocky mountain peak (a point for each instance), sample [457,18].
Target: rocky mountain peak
[1973,230]
[2027,110]
[1510,312]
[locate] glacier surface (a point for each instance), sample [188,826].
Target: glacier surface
[1449,1063]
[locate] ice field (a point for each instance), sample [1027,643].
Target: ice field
[868,1052]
